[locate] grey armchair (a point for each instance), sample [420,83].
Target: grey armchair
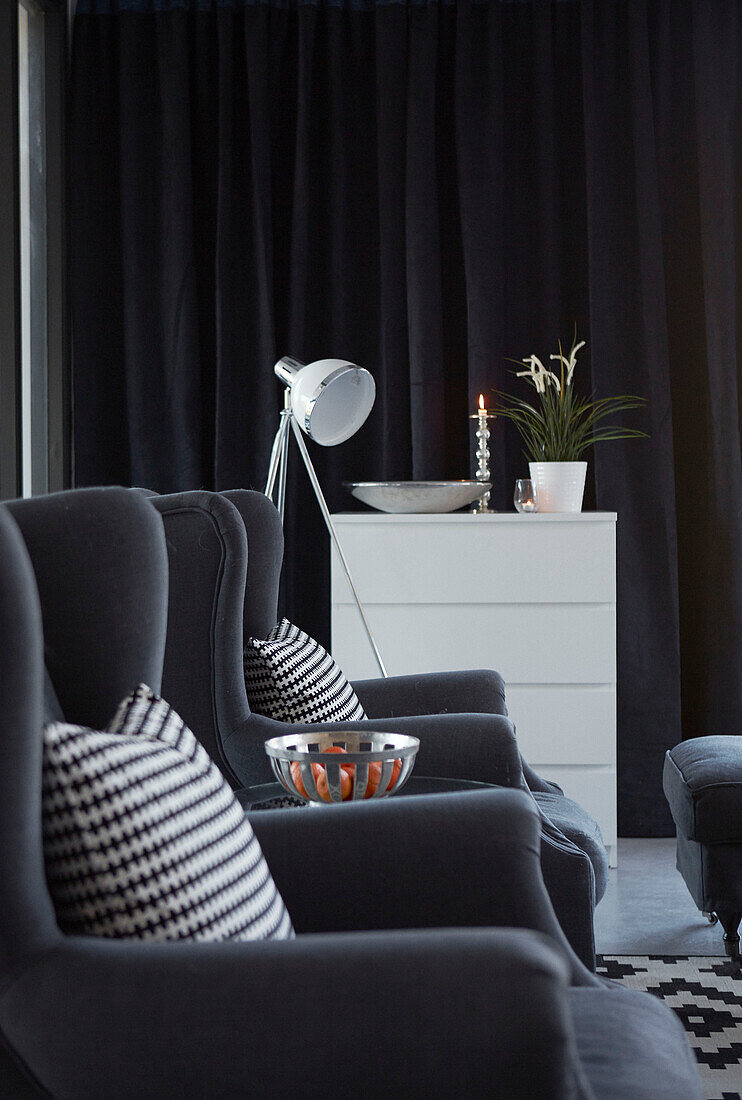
[495,1012]
[226,553]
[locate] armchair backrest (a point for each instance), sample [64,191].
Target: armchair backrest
[226,553]
[101,569]
[28,925]
[265,559]
[203,676]
[83,582]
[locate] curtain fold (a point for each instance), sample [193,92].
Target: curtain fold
[629,354]
[709,699]
[427,188]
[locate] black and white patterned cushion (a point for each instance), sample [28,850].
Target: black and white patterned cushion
[290,677]
[143,837]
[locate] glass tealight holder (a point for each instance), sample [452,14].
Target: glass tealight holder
[524,497]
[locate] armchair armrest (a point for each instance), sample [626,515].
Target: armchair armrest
[452,746]
[570,884]
[478,690]
[474,1012]
[481,691]
[469,858]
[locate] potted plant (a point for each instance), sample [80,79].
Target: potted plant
[560,426]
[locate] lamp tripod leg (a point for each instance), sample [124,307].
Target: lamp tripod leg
[279,446]
[335,541]
[282,468]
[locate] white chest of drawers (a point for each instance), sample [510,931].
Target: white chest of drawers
[533,596]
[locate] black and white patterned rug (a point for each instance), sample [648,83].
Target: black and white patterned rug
[706,993]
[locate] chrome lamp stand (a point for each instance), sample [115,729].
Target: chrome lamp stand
[277,474]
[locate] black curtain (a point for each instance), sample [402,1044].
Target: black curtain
[426,188]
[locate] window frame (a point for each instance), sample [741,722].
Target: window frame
[59,404]
[10,259]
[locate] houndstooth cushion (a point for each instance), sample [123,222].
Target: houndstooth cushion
[291,678]
[143,837]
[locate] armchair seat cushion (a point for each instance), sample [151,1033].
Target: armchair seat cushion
[631,1045]
[703,785]
[579,827]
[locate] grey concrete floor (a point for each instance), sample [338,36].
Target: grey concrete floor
[647,909]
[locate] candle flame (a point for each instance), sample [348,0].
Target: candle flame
[481,401]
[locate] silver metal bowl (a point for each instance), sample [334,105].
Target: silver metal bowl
[417,496]
[362,749]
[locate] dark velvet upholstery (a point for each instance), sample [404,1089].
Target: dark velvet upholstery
[202,674]
[460,717]
[580,828]
[83,544]
[434,692]
[703,786]
[478,1011]
[266,560]
[28,924]
[636,1032]
[232,1021]
[712,873]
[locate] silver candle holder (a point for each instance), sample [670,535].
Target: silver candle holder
[482,415]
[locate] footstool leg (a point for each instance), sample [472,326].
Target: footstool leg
[730,923]
[711,917]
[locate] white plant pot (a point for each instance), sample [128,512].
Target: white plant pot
[559,485]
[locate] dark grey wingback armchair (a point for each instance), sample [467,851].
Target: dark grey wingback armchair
[226,553]
[495,1012]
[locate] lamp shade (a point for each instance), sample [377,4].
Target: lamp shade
[330,398]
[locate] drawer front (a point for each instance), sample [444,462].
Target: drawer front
[593,788]
[564,724]
[471,563]
[526,643]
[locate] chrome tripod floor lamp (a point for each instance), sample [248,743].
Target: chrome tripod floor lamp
[328,400]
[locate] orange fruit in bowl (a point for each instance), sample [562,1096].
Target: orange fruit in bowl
[347,777]
[295,770]
[347,772]
[374,775]
[323,787]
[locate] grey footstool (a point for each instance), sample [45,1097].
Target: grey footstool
[703,784]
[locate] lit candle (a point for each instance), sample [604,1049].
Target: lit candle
[524,497]
[482,453]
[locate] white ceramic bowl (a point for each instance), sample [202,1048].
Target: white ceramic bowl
[417,496]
